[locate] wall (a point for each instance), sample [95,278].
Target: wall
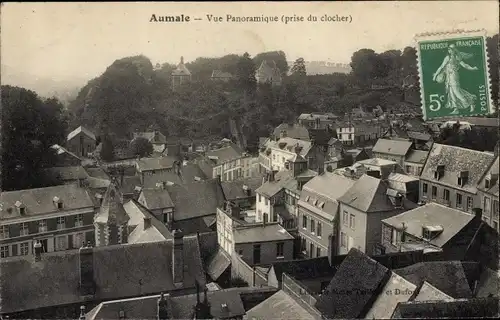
[301,295]
[358,234]
[263,205]
[327,228]
[208,244]
[268,251]
[374,228]
[81,145]
[452,203]
[240,268]
[399,159]
[413,169]
[491,211]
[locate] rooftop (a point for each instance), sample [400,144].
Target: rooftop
[41,201]
[378,162]
[432,214]
[78,130]
[279,306]
[225,154]
[392,147]
[303,268]
[157,199]
[154,232]
[235,189]
[417,156]
[148,164]
[153,137]
[288,144]
[261,233]
[68,173]
[428,292]
[492,174]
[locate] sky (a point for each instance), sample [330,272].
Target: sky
[79,40]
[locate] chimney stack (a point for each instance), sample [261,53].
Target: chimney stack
[478,212]
[82,313]
[147,222]
[86,259]
[38,250]
[271,176]
[162,312]
[178,258]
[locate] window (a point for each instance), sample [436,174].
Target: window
[61,223]
[446,195]
[79,220]
[260,198]
[259,215]
[343,240]
[459,200]
[311,250]
[345,218]
[24,249]
[487,205]
[424,188]
[495,225]
[350,243]
[280,249]
[408,169]
[303,244]
[352,221]
[23,229]
[4,251]
[495,209]
[318,229]
[312,226]
[266,202]
[4,232]
[318,252]
[78,240]
[61,243]
[434,192]
[275,216]
[42,226]
[265,217]
[470,203]
[240,252]
[304,222]
[283,159]
[256,253]
[307,199]
[395,236]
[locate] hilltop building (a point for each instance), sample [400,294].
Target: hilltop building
[269,74]
[180,75]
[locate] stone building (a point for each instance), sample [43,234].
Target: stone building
[180,75]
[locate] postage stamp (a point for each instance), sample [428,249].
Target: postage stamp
[454,74]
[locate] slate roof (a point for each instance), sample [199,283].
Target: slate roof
[68,173]
[392,147]
[78,130]
[493,170]
[196,199]
[303,268]
[475,162]
[188,173]
[234,189]
[279,306]
[289,145]
[157,199]
[462,308]
[182,306]
[218,264]
[428,292]
[399,181]
[320,136]
[112,210]
[447,276]
[489,282]
[357,282]
[148,164]
[150,136]
[281,180]
[225,154]
[396,290]
[181,69]
[156,232]
[130,183]
[368,194]
[120,271]
[40,201]
[261,233]
[416,156]
[422,136]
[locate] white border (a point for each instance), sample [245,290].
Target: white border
[448,35]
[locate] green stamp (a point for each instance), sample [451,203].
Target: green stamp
[454,75]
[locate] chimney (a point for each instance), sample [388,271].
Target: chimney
[478,212]
[178,258]
[234,210]
[271,176]
[82,313]
[205,297]
[321,169]
[373,173]
[86,257]
[283,134]
[247,190]
[38,251]
[163,307]
[147,222]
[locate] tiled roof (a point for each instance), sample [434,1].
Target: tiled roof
[416,156]
[432,214]
[396,290]
[196,199]
[492,171]
[447,276]
[112,210]
[147,164]
[120,271]
[368,194]
[129,184]
[182,306]
[428,292]
[150,136]
[461,308]
[206,166]
[456,160]
[304,268]
[261,233]
[41,201]
[234,189]
[225,154]
[78,130]
[356,283]
[219,262]
[279,306]
[392,147]
[295,131]
[399,181]
[157,199]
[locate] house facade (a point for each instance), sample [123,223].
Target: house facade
[230,163]
[151,170]
[488,195]
[180,75]
[451,175]
[157,139]
[318,213]
[317,120]
[268,73]
[414,162]
[81,142]
[395,150]
[59,218]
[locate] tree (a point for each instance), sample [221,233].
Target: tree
[246,73]
[30,126]
[299,68]
[279,57]
[107,148]
[141,147]
[364,66]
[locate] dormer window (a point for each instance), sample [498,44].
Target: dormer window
[431,232]
[307,199]
[315,202]
[57,202]
[487,183]
[438,174]
[462,178]
[20,207]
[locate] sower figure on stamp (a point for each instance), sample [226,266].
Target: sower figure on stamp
[456,97]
